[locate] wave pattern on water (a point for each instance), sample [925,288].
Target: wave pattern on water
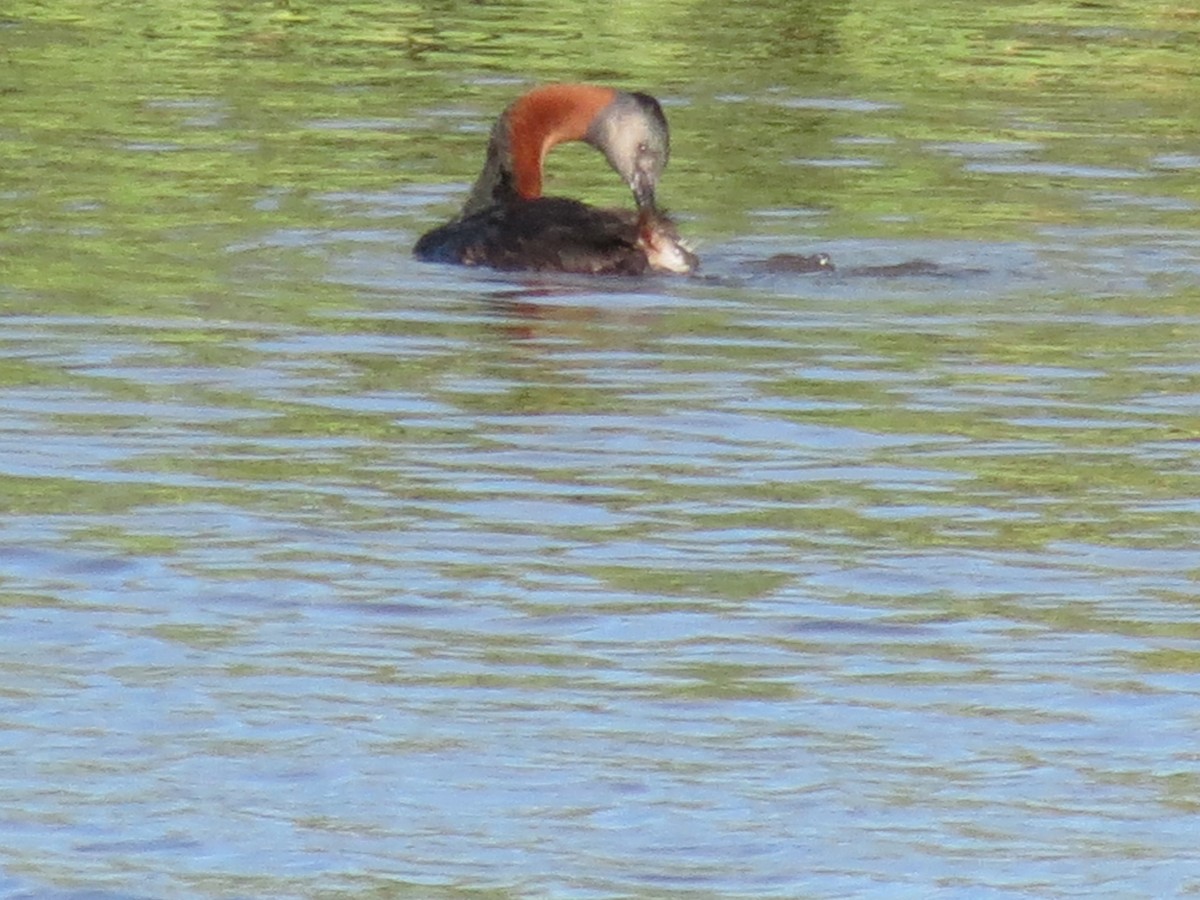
[327,573]
[467,585]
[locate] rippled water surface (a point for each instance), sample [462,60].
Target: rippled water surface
[326,573]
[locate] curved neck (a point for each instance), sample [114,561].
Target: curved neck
[524,134]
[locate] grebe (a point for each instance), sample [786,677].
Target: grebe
[506,223]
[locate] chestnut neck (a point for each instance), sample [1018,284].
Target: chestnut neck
[524,134]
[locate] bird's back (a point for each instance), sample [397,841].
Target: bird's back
[547,234]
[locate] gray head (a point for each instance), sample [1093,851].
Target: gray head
[632,134]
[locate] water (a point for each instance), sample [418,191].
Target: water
[326,573]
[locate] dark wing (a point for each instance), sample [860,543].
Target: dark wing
[549,234]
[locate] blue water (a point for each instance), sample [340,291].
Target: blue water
[578,600]
[326,573]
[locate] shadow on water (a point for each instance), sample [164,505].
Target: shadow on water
[798,264]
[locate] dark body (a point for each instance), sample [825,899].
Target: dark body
[546,234]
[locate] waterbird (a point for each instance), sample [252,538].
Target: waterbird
[507,224]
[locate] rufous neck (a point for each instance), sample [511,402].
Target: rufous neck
[524,134]
[547,116]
